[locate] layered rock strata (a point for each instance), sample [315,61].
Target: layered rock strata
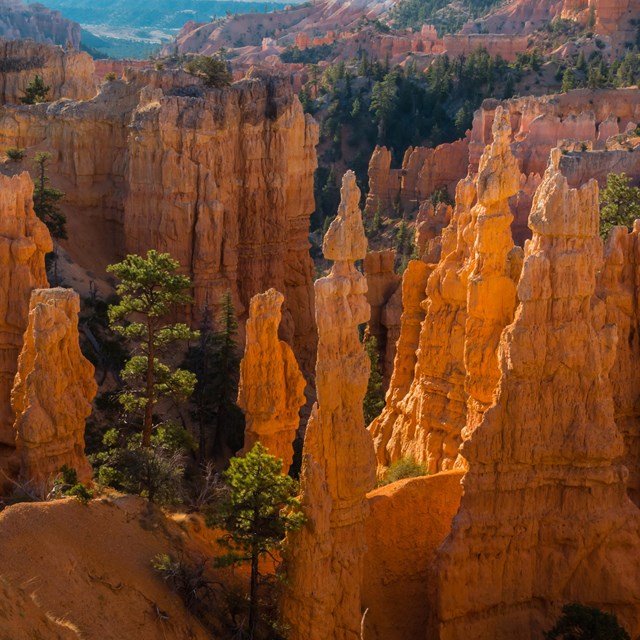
[24,241]
[470,298]
[545,518]
[271,389]
[53,391]
[220,178]
[36,22]
[67,72]
[325,558]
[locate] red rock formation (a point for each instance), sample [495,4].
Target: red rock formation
[53,391]
[68,73]
[618,283]
[382,283]
[324,565]
[545,517]
[423,171]
[408,522]
[271,389]
[155,160]
[24,240]
[496,44]
[36,22]
[430,223]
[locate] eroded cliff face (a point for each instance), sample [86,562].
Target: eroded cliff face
[324,563]
[470,298]
[24,241]
[271,389]
[68,73]
[53,391]
[545,518]
[36,22]
[618,284]
[222,179]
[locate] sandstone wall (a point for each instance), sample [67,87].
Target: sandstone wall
[325,558]
[545,518]
[68,73]
[24,240]
[506,46]
[222,179]
[408,522]
[271,389]
[53,391]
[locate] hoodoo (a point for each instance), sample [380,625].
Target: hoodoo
[324,561]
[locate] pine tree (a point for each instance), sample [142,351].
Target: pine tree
[619,203]
[46,198]
[36,91]
[568,80]
[150,290]
[374,398]
[259,509]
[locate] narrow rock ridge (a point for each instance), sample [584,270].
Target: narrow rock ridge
[545,518]
[24,241]
[470,298]
[271,388]
[53,391]
[324,559]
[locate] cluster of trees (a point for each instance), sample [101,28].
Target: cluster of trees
[596,73]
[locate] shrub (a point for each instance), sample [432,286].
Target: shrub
[403,468]
[15,154]
[110,77]
[214,70]
[578,622]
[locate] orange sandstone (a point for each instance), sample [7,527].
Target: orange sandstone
[53,391]
[325,558]
[271,389]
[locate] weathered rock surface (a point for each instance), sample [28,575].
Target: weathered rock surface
[470,298]
[68,73]
[545,518]
[53,391]
[271,389]
[618,284]
[24,241]
[38,23]
[325,558]
[423,171]
[408,522]
[222,179]
[382,283]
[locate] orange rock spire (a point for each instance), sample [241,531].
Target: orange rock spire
[53,391]
[325,557]
[271,386]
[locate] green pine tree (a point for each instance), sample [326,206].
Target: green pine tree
[150,291]
[619,203]
[46,199]
[259,509]
[374,398]
[36,91]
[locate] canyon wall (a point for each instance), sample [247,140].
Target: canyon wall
[24,241]
[470,297]
[53,391]
[220,178]
[423,171]
[36,22]
[545,518]
[325,558]
[68,73]
[271,389]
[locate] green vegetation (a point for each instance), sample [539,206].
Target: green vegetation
[36,91]
[66,484]
[446,16]
[597,73]
[403,468]
[151,291]
[311,55]
[46,199]
[216,364]
[374,398]
[619,203]
[260,507]
[578,622]
[15,154]
[214,70]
